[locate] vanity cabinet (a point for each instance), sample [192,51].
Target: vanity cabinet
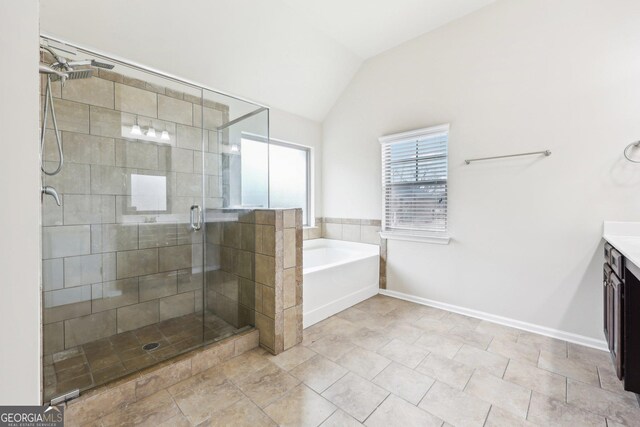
[621,320]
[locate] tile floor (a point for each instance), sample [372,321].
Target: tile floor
[104,360]
[387,362]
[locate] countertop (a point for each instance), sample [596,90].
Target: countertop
[625,237]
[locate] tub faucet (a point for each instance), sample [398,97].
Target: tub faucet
[47,189]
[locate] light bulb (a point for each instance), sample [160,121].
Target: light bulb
[151,132]
[165,135]
[135,130]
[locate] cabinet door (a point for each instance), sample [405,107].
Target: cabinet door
[606,274]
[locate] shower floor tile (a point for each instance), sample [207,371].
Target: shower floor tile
[106,359]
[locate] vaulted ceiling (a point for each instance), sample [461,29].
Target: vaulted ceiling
[295,55]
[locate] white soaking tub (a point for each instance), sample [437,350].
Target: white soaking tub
[337,275]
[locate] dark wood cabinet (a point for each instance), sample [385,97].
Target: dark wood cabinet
[621,320]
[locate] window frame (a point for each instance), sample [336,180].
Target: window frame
[414,234]
[309,218]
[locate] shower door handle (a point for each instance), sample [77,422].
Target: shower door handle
[196,218]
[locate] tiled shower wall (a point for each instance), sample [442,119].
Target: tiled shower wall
[107,268]
[254,273]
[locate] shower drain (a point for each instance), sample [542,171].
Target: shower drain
[150,346]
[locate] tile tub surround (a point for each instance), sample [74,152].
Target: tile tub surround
[385,362]
[108,269]
[354,230]
[254,273]
[153,395]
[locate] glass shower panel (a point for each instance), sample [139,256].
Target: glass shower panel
[231,230]
[123,274]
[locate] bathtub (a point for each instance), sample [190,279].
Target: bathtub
[336,276]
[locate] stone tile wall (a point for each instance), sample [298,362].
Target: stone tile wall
[254,273]
[108,268]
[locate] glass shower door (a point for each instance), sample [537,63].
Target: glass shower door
[122,256]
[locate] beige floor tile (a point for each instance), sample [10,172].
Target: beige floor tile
[300,407]
[445,370]
[177,421]
[409,313]
[396,412]
[614,406]
[439,344]
[514,350]
[318,373]
[243,413]
[609,380]
[502,332]
[455,406]
[536,379]
[293,357]
[404,353]
[545,410]
[588,355]
[378,304]
[340,419]
[500,393]
[267,385]
[200,403]
[211,377]
[461,320]
[149,411]
[335,326]
[404,382]
[492,363]
[403,331]
[332,346]
[363,362]
[433,326]
[369,339]
[356,396]
[245,364]
[569,368]
[551,345]
[500,418]
[434,313]
[470,337]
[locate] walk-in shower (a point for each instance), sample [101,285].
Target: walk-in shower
[136,259]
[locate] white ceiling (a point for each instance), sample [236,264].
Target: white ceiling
[369,27]
[294,55]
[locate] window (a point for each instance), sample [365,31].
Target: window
[414,184]
[275,174]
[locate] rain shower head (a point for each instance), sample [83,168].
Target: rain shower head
[74,74]
[104,65]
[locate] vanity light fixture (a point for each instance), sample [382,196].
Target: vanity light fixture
[135,129]
[165,135]
[151,132]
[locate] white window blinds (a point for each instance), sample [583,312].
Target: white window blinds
[414,182]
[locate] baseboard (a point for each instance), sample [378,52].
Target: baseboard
[314,316]
[530,327]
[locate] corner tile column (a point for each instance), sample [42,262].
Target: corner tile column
[278,276]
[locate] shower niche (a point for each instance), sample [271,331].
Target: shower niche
[133,257]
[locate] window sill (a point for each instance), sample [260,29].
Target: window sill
[437,240]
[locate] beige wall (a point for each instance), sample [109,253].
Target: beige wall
[517,76]
[20,212]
